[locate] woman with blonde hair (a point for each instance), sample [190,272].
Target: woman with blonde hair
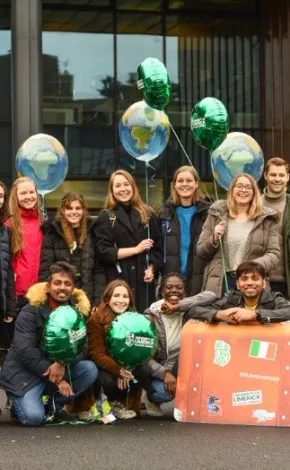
[182,219]
[247,230]
[25,223]
[69,238]
[128,239]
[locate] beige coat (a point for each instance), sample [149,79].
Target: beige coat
[262,244]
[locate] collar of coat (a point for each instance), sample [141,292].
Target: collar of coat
[267,299]
[37,296]
[52,226]
[170,208]
[220,209]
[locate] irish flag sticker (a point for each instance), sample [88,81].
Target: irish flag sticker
[263,350]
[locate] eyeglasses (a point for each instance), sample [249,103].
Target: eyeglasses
[244,187]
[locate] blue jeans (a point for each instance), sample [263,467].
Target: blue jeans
[30,409]
[157,392]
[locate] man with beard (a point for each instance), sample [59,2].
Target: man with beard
[251,302]
[277,177]
[27,373]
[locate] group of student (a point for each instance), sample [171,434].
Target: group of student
[171,266]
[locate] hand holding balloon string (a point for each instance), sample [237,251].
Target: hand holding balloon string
[219,231]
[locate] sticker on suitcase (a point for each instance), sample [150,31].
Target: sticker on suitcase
[263,415]
[222,353]
[263,350]
[213,406]
[247,398]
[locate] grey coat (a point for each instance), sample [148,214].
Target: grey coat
[262,244]
[157,364]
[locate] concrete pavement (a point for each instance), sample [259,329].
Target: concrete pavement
[145,444]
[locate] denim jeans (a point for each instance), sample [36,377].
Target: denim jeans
[157,392]
[30,409]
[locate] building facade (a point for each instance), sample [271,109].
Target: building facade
[68,68]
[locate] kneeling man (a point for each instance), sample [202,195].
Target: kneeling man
[27,373]
[252,301]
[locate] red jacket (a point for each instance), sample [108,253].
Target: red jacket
[27,263]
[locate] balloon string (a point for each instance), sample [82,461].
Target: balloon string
[222,248]
[147,260]
[43,207]
[152,177]
[190,162]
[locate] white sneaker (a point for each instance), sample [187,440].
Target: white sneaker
[121,412]
[151,408]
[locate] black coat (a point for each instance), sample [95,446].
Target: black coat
[7,287]
[170,228]
[55,248]
[124,232]
[272,307]
[26,360]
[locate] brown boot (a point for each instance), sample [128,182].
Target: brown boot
[135,402]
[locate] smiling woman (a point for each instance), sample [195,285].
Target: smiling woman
[69,238]
[248,231]
[182,219]
[128,240]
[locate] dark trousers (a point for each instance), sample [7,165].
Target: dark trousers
[279,287]
[109,383]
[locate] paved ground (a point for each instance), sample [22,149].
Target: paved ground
[145,444]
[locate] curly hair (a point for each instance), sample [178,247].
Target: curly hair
[68,231]
[165,278]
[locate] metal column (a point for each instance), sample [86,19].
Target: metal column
[26,71]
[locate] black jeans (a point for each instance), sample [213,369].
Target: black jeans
[109,383]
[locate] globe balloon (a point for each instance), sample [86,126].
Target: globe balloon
[144,131]
[44,159]
[239,153]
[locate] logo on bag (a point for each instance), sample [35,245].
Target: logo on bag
[222,353]
[141,341]
[213,406]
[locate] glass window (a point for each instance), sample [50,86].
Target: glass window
[5,94]
[211,57]
[78,87]
[139,36]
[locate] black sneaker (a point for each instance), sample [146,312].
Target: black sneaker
[64,416]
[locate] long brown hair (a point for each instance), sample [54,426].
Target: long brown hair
[4,211]
[104,312]
[16,220]
[197,195]
[136,200]
[255,208]
[68,231]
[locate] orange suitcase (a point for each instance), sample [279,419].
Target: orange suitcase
[234,374]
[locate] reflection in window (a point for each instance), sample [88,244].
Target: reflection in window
[217,58]
[131,50]
[78,93]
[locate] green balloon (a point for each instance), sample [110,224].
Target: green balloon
[209,123]
[132,339]
[154,79]
[64,334]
